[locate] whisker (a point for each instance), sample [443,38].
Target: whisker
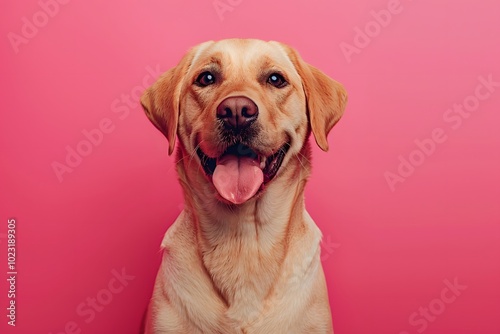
[302,157]
[193,153]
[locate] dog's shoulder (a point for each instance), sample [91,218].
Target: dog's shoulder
[179,237]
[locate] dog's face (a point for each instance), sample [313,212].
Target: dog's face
[243,109]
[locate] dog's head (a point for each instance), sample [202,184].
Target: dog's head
[243,109]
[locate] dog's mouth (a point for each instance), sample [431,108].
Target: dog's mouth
[239,173]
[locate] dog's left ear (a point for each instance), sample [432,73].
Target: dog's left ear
[326,98]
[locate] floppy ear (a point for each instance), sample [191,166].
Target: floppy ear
[161,100]
[326,98]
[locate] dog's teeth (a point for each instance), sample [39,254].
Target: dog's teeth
[262,162]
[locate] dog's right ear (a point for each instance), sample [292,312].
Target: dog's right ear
[161,100]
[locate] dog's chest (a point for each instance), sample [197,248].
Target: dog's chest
[243,270]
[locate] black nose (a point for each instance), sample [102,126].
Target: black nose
[237,112]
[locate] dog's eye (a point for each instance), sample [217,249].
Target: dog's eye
[205,79]
[277,80]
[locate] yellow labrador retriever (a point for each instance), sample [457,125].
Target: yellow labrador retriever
[244,255]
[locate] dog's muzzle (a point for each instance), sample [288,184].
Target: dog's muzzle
[240,171]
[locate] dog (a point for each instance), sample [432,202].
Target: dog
[244,255]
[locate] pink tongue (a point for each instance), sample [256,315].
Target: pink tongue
[237,178]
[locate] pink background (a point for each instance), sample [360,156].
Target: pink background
[387,251]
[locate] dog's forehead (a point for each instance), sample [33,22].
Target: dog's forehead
[243,53]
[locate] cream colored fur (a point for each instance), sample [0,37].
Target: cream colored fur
[254,267]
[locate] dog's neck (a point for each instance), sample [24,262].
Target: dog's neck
[259,228]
